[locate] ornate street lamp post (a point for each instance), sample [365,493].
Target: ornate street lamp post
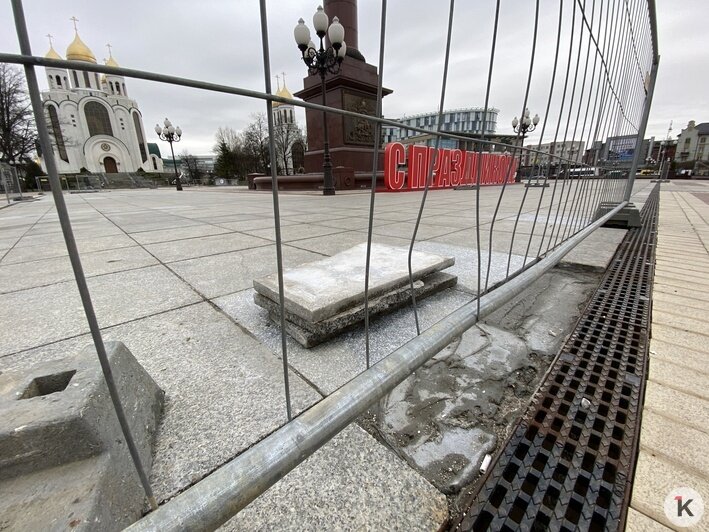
[171,134]
[522,127]
[321,60]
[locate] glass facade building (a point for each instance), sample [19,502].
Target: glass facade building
[465,121]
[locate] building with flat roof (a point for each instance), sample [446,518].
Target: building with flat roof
[460,121]
[572,150]
[617,151]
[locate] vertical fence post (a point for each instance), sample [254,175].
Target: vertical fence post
[276,207]
[62,213]
[641,130]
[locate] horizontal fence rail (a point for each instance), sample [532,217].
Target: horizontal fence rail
[595,100]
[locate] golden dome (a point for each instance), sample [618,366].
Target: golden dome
[111,62]
[52,54]
[78,51]
[283,92]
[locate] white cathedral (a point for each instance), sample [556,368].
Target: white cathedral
[93,122]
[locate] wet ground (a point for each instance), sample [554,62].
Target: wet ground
[463,403]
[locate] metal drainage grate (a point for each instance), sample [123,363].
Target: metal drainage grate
[568,464]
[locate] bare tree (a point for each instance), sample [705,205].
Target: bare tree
[17,129]
[256,141]
[228,137]
[191,166]
[284,137]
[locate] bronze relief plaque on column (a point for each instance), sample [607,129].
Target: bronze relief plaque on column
[358,130]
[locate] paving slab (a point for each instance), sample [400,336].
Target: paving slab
[350,223]
[697,360]
[311,334]
[352,483]
[338,242]
[58,237]
[684,323]
[51,313]
[655,477]
[680,275]
[225,273]
[178,233]
[639,522]
[208,245]
[291,233]
[58,249]
[466,263]
[406,230]
[597,250]
[692,269]
[693,298]
[20,276]
[670,295]
[689,410]
[665,436]
[323,288]
[680,337]
[255,223]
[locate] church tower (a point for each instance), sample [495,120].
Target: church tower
[57,78]
[290,147]
[113,84]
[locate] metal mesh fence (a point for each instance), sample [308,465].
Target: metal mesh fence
[10,183]
[597,96]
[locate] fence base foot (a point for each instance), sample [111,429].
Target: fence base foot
[627,217]
[79,471]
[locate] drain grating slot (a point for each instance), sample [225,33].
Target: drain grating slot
[568,463]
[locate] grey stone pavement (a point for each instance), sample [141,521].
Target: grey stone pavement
[171,276]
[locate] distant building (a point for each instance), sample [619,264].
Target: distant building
[204,164]
[155,157]
[661,151]
[93,122]
[572,150]
[460,121]
[692,143]
[617,151]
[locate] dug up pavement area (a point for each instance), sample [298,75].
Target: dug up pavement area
[171,275]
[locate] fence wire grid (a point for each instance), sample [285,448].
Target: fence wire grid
[598,92]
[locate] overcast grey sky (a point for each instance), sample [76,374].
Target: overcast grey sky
[219,41]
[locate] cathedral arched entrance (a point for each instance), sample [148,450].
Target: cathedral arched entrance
[110,166]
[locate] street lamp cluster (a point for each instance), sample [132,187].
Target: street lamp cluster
[322,60]
[170,134]
[522,127]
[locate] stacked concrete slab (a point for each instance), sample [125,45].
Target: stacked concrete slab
[326,297]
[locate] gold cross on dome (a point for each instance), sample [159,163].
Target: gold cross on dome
[50,37]
[109,49]
[283,75]
[75,20]
[278,81]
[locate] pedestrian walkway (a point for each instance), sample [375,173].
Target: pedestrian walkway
[675,417]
